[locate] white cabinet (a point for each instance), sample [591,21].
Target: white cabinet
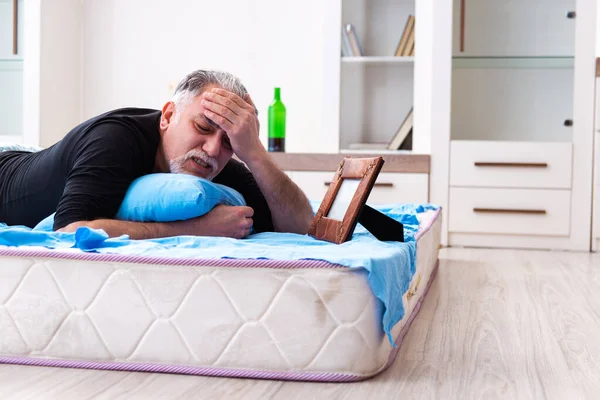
[512,100]
[6,29]
[521,153]
[389,188]
[513,28]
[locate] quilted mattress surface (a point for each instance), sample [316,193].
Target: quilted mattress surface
[297,320]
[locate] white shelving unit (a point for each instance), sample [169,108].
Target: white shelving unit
[368,97]
[521,153]
[376,90]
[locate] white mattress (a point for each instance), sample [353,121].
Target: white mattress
[278,320]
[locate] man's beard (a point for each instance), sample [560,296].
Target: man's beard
[176,165]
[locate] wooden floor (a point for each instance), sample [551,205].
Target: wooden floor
[496,324]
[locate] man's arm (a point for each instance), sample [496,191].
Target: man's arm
[135,230]
[226,221]
[290,209]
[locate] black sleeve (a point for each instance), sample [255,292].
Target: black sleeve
[104,163]
[237,176]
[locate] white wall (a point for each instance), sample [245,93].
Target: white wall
[135,51]
[52,70]
[61,69]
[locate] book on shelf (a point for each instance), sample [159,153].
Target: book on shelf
[346,47]
[406,45]
[350,31]
[407,143]
[403,133]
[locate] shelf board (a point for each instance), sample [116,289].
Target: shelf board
[384,60]
[406,162]
[378,151]
[512,62]
[9,59]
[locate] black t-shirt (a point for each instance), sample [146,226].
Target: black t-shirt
[85,175]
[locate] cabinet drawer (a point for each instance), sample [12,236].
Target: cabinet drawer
[510,211]
[510,164]
[389,188]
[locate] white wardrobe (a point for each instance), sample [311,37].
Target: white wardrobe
[521,149]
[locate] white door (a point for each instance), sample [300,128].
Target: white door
[498,28]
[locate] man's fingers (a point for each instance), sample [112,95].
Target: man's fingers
[248,222]
[233,97]
[222,101]
[245,233]
[219,109]
[218,119]
[245,211]
[249,100]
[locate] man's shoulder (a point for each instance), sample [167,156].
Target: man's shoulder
[143,116]
[123,123]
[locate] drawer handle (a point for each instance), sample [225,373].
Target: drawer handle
[462,25]
[508,211]
[510,164]
[379,184]
[15,32]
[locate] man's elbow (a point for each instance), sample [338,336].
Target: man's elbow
[72,227]
[300,225]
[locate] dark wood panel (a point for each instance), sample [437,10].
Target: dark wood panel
[508,211]
[15,18]
[511,164]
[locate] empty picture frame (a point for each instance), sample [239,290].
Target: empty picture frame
[344,204]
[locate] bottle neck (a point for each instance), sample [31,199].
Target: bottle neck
[277,94]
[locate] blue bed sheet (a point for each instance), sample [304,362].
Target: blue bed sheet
[390,265]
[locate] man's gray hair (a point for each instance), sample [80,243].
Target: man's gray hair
[195,83]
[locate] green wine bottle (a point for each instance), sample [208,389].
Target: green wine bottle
[277,114]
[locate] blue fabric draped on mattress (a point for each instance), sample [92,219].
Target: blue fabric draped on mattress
[390,265]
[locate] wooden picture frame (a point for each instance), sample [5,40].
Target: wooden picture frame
[330,225]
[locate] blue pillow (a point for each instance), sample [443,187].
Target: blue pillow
[165,197]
